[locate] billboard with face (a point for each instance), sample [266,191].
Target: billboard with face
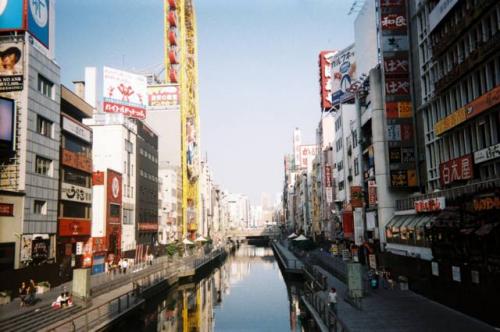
[125,93]
[11,67]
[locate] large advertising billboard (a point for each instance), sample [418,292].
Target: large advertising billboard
[38,20]
[398,107]
[165,96]
[124,93]
[11,68]
[11,15]
[7,125]
[343,74]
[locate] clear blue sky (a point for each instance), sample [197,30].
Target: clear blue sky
[258,70]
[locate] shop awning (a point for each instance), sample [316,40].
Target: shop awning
[410,221]
[425,221]
[396,221]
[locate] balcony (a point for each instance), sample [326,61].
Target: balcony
[452,193]
[483,51]
[444,41]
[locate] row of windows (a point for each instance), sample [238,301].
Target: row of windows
[45,87]
[76,145]
[469,88]
[74,210]
[148,155]
[338,123]
[76,177]
[148,176]
[338,144]
[128,191]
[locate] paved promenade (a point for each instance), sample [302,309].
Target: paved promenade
[397,310]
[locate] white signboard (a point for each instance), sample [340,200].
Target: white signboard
[77,129]
[98,211]
[70,192]
[440,11]
[124,93]
[435,269]
[455,271]
[79,248]
[343,73]
[491,152]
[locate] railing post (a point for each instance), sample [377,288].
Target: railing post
[119,305]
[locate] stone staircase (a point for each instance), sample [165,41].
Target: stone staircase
[36,319]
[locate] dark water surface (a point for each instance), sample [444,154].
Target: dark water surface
[246,293]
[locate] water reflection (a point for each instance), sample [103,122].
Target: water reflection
[246,293]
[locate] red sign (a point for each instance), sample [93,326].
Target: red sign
[114,187]
[98,178]
[325,78]
[394,22]
[372,193]
[328,176]
[348,224]
[356,196]
[456,170]
[77,160]
[127,110]
[6,210]
[74,227]
[148,227]
[99,244]
[430,205]
[396,65]
[397,86]
[483,103]
[486,203]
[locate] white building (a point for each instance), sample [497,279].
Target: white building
[115,148]
[168,195]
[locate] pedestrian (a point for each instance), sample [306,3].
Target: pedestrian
[332,299]
[390,281]
[31,292]
[124,266]
[120,265]
[23,292]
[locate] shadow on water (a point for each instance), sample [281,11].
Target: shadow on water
[247,292]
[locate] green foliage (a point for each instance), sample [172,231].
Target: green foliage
[171,249]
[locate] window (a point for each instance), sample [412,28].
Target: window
[75,145]
[356,166]
[341,185]
[74,210]
[40,207]
[45,87]
[128,217]
[354,138]
[44,126]
[76,177]
[43,166]
[114,210]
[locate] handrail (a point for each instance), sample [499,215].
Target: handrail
[328,317]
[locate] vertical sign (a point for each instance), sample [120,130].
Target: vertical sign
[325,78]
[395,54]
[38,20]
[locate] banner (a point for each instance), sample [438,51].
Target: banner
[456,170]
[124,93]
[343,73]
[12,69]
[325,78]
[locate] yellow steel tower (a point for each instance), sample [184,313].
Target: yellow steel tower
[181,67]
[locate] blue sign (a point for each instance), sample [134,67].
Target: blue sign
[11,14]
[38,20]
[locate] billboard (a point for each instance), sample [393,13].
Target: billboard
[307,155]
[163,96]
[7,124]
[343,73]
[457,169]
[38,20]
[11,15]
[124,93]
[191,149]
[11,71]
[325,78]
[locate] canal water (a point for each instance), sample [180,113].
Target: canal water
[246,293]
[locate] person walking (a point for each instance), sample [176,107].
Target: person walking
[332,299]
[31,292]
[124,265]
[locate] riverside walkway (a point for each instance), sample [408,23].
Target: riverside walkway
[112,296]
[385,309]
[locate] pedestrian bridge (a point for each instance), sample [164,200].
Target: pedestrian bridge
[253,232]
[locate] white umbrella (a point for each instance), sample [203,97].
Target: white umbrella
[186,241]
[200,239]
[292,235]
[300,238]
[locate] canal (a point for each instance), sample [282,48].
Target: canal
[246,293]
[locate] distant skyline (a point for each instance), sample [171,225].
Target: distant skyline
[258,71]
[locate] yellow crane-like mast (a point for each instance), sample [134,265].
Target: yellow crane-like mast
[181,67]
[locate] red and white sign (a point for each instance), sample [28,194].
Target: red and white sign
[372,193]
[74,227]
[307,155]
[456,170]
[124,93]
[430,204]
[163,96]
[325,78]
[6,210]
[394,22]
[396,65]
[328,176]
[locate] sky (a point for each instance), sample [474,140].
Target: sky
[258,71]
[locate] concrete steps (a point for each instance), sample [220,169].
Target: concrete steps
[36,319]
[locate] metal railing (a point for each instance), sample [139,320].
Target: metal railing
[93,317]
[327,316]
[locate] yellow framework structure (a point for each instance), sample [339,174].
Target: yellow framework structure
[181,67]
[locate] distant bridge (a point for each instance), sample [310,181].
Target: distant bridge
[253,232]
